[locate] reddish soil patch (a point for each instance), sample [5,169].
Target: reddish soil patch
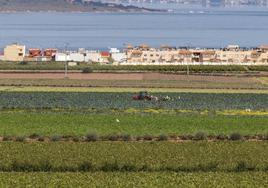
[126,76]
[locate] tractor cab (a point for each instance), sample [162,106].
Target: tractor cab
[144,95]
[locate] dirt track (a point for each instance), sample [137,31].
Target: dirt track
[124,76]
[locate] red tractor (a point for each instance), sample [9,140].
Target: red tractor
[144,95]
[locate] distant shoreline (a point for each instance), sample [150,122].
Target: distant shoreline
[56,11]
[93,7]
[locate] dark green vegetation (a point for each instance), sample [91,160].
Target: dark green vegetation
[154,68]
[72,100]
[80,124]
[63,5]
[122,156]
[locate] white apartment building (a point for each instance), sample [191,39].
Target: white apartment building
[233,56]
[92,56]
[117,56]
[77,57]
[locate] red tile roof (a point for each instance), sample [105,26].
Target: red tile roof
[105,54]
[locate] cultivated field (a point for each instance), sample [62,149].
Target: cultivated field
[60,66]
[137,80]
[156,156]
[165,164]
[123,100]
[212,132]
[135,179]
[125,89]
[49,123]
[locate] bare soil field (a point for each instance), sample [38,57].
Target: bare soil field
[122,76]
[146,80]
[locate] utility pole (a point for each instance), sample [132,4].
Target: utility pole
[188,46]
[188,71]
[66,63]
[66,70]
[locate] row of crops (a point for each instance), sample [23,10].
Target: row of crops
[135,157]
[194,101]
[144,179]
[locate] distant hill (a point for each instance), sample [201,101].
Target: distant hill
[66,6]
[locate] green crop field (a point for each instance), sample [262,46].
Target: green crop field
[101,100]
[154,164]
[135,163]
[233,83]
[23,123]
[134,179]
[138,156]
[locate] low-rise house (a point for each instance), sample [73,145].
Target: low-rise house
[117,56]
[35,52]
[14,52]
[254,56]
[134,56]
[209,56]
[234,56]
[183,56]
[50,52]
[62,57]
[105,57]
[167,56]
[92,57]
[77,57]
[263,59]
[197,56]
[151,56]
[146,55]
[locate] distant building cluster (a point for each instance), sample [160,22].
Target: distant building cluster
[230,3]
[231,55]
[143,55]
[204,3]
[17,53]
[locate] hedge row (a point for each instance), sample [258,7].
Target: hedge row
[93,138]
[86,68]
[46,166]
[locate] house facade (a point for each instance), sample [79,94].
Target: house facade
[14,52]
